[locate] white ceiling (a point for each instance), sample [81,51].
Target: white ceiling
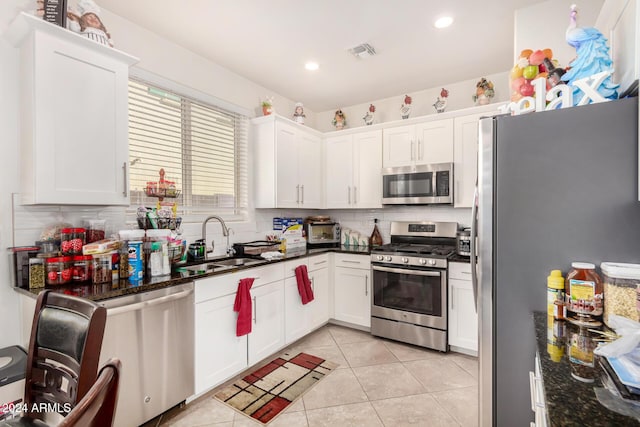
[269,41]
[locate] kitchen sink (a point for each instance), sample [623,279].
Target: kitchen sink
[206,268]
[236,262]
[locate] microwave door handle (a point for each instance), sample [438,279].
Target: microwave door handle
[474,249]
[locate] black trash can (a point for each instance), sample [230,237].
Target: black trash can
[13,366]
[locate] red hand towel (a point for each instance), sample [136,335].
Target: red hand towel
[304,284]
[243,306]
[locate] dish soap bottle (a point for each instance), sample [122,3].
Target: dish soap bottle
[376,237]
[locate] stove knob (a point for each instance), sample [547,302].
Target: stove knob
[388,258]
[405,259]
[422,261]
[432,262]
[380,257]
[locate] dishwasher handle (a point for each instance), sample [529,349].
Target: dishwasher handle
[145,304]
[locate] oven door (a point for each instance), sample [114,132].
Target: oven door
[417,296]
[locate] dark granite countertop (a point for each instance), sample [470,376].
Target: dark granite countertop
[569,401]
[459,258]
[179,275]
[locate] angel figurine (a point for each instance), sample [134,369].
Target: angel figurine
[441,103]
[405,108]
[339,120]
[368,118]
[298,115]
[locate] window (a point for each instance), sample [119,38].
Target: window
[201,148]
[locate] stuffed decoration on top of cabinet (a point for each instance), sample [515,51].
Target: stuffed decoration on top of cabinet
[405,108]
[441,102]
[339,120]
[369,117]
[484,92]
[298,114]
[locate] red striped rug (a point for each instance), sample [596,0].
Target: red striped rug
[267,391]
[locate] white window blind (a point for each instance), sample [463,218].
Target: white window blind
[200,147]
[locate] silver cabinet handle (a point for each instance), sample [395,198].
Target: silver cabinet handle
[452,304]
[366,285]
[298,193]
[255,311]
[419,150]
[348,261]
[302,191]
[349,194]
[320,262]
[313,284]
[124,173]
[146,304]
[412,154]
[355,195]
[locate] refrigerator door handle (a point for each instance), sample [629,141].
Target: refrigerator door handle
[474,249]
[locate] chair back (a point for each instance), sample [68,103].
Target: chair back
[98,407]
[64,351]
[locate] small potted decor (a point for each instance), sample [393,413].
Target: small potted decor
[339,120]
[368,118]
[484,92]
[267,106]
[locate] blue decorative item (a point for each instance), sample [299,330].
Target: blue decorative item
[592,57]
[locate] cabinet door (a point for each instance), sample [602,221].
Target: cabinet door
[296,314]
[319,307]
[310,167]
[287,183]
[367,169]
[77,138]
[339,164]
[219,353]
[398,146]
[353,296]
[463,319]
[267,334]
[434,142]
[465,157]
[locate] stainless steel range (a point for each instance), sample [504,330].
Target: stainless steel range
[410,283]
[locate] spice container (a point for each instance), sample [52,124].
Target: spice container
[72,240]
[36,273]
[59,270]
[620,290]
[555,295]
[82,266]
[95,229]
[102,268]
[585,295]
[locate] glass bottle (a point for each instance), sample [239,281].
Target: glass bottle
[584,294]
[376,237]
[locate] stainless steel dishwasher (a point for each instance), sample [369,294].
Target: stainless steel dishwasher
[152,333]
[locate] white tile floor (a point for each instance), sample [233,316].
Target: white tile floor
[378,383]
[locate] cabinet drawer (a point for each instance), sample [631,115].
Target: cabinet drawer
[290,266]
[217,286]
[317,262]
[460,270]
[264,274]
[362,262]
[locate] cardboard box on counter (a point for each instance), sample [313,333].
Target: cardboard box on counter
[282,223]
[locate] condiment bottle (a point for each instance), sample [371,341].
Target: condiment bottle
[555,295]
[585,292]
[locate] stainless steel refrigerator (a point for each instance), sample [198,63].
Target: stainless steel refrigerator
[553,187]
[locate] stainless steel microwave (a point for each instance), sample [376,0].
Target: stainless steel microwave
[418,185]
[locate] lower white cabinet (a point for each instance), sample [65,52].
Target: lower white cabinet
[301,319]
[352,289]
[463,318]
[267,335]
[538,404]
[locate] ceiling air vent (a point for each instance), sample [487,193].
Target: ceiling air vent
[363,50]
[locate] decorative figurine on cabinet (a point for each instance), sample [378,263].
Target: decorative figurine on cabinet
[86,22]
[441,103]
[405,108]
[484,92]
[339,120]
[298,115]
[267,105]
[368,118]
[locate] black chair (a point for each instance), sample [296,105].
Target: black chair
[64,352]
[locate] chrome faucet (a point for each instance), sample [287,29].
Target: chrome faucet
[225,233]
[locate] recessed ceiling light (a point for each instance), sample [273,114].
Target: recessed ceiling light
[443,22]
[311,66]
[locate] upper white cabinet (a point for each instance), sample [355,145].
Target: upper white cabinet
[465,157]
[418,144]
[74,116]
[288,164]
[354,164]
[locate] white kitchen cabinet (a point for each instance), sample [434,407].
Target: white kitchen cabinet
[418,144]
[465,157]
[355,163]
[74,116]
[288,164]
[463,317]
[219,353]
[267,335]
[352,289]
[319,274]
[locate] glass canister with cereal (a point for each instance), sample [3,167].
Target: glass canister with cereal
[621,283]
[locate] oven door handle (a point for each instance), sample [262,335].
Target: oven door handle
[405,271]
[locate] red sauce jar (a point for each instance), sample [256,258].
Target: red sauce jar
[584,292]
